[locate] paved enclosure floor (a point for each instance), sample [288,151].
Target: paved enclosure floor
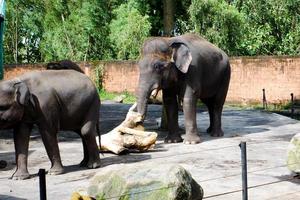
[214,163]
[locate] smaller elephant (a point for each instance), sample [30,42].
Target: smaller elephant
[64,64]
[53,100]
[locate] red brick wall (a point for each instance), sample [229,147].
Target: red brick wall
[11,71]
[120,76]
[279,76]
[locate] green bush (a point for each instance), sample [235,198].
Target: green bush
[128,30]
[219,22]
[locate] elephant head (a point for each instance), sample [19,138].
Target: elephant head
[14,97]
[162,60]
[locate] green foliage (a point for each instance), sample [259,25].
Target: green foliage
[272,27]
[129,98]
[218,22]
[249,27]
[44,30]
[23,31]
[128,30]
[74,30]
[98,76]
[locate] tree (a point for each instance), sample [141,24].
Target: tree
[273,27]
[169,7]
[128,30]
[75,31]
[23,31]
[219,22]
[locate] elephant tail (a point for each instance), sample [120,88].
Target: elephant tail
[64,64]
[98,133]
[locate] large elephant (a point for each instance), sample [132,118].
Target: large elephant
[53,100]
[186,68]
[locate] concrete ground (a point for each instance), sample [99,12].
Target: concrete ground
[214,163]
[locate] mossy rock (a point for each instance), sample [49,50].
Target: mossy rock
[130,182]
[293,160]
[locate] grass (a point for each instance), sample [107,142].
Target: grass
[129,98]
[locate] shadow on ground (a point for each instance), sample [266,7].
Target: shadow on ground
[4,197]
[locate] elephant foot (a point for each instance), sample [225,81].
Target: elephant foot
[217,133]
[18,175]
[192,139]
[208,130]
[93,164]
[173,139]
[83,163]
[56,170]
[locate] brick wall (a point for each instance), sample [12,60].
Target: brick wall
[11,71]
[279,76]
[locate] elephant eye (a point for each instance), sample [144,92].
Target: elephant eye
[158,66]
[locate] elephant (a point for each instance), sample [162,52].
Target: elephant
[52,100]
[63,64]
[186,68]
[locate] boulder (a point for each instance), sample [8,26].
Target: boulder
[293,160]
[157,181]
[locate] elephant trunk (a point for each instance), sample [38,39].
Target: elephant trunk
[142,103]
[144,92]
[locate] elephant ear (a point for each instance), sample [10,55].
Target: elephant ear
[22,93]
[181,56]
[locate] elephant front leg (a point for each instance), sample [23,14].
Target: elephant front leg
[171,105]
[21,141]
[189,109]
[49,138]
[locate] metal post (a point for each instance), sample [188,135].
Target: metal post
[292,105]
[2,17]
[42,176]
[244,170]
[265,106]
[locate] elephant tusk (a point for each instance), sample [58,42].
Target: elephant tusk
[154,93]
[133,107]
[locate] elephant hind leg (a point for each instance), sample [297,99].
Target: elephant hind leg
[85,159]
[91,157]
[218,104]
[209,102]
[215,108]
[88,135]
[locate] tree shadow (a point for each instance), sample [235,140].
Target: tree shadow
[9,157]
[106,161]
[8,197]
[292,177]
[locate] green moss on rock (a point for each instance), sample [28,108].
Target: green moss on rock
[163,182]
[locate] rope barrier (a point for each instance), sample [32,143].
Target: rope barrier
[223,177]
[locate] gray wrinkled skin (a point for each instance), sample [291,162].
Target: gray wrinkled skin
[186,68]
[53,100]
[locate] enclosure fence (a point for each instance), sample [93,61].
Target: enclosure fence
[290,178]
